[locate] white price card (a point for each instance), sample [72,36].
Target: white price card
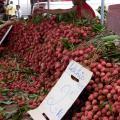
[72,82]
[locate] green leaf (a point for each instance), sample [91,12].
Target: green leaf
[6,102]
[17,90]
[24,108]
[37,19]
[110,38]
[98,28]
[29,71]
[32,96]
[1,22]
[59,18]
[19,114]
[69,17]
[67,45]
[10,110]
[110,108]
[99,11]
[1,66]
[45,91]
[4,91]
[102,105]
[1,109]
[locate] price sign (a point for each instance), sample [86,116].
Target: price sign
[63,94]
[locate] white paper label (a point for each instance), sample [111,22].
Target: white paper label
[63,94]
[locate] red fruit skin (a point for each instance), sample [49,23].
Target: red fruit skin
[108,65]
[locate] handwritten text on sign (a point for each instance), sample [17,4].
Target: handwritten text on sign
[63,94]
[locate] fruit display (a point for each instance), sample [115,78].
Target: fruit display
[35,57]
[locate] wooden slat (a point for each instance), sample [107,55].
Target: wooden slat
[3,38]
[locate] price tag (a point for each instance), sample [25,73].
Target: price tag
[63,94]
